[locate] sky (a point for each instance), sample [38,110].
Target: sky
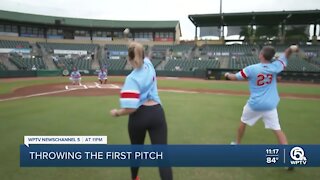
[151,9]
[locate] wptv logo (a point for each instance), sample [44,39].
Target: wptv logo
[297,156]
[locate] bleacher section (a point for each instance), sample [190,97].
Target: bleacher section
[295,63]
[190,65]
[298,64]
[161,47]
[156,62]
[310,48]
[182,47]
[3,67]
[113,64]
[160,51]
[180,51]
[117,47]
[119,64]
[315,61]
[304,48]
[242,61]
[177,57]
[27,63]
[116,51]
[14,44]
[229,49]
[51,46]
[69,63]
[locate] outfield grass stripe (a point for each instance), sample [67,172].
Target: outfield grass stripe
[230,94]
[191,119]
[8,86]
[162,90]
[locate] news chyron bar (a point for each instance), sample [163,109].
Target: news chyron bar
[94,151]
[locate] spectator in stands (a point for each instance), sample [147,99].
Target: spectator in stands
[75,77]
[55,59]
[103,76]
[34,68]
[210,54]
[177,68]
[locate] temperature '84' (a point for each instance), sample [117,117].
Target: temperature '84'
[272,160]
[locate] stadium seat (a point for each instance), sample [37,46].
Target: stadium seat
[14,44]
[235,48]
[156,62]
[113,64]
[28,63]
[190,65]
[70,63]
[239,62]
[51,46]
[297,64]
[3,67]
[117,50]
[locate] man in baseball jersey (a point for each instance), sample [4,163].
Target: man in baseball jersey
[75,77]
[264,96]
[103,76]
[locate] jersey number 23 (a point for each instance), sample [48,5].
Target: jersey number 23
[261,79]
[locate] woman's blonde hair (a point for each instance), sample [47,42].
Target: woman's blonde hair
[136,54]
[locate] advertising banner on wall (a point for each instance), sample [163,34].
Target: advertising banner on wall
[61,51]
[15,50]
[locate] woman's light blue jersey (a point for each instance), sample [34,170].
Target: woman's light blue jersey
[140,86]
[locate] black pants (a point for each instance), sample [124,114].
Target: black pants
[151,119]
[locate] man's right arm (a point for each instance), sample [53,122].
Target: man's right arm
[281,63]
[230,76]
[241,75]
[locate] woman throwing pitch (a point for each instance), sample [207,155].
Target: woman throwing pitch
[140,100]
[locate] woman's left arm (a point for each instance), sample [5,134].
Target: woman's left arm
[122,111]
[129,98]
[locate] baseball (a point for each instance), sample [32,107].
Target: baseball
[126,31]
[226,74]
[294,48]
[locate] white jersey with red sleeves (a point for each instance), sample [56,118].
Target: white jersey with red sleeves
[263,83]
[102,75]
[75,75]
[140,86]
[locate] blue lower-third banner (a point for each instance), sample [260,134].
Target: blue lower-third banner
[99,155]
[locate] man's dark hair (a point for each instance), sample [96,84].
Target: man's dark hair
[268,52]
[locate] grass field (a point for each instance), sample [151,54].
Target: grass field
[210,119]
